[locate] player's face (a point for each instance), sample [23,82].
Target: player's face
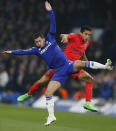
[40,42]
[85,35]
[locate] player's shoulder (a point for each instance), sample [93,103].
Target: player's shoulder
[50,36]
[75,34]
[35,48]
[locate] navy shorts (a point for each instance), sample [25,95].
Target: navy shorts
[63,72]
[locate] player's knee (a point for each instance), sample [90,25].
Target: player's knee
[39,82]
[78,64]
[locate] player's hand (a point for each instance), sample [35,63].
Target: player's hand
[6,52]
[64,38]
[48,6]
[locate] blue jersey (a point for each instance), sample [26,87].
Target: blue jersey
[51,52]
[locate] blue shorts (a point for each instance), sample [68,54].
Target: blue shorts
[63,72]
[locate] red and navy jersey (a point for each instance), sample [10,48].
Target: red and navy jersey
[75,47]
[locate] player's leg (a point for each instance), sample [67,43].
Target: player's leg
[44,79]
[78,64]
[59,78]
[86,77]
[52,87]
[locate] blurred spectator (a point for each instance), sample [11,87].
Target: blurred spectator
[3,76]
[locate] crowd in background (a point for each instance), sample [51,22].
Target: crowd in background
[19,20]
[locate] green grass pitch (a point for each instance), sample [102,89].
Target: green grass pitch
[28,119]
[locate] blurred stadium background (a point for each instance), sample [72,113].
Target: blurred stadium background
[19,20]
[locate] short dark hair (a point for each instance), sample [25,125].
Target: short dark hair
[38,34]
[85,27]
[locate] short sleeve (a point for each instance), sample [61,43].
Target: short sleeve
[71,36]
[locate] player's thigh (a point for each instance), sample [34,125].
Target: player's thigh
[46,77]
[85,76]
[53,86]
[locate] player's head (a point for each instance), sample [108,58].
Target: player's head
[85,32]
[39,39]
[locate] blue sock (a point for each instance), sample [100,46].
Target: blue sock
[48,97]
[87,64]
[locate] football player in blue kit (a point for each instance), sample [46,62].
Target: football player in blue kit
[48,49]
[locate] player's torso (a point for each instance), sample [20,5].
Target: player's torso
[75,48]
[52,54]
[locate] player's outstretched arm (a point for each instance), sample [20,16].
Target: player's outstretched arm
[52,17]
[66,37]
[31,51]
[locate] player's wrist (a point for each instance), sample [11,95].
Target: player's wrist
[50,10]
[12,51]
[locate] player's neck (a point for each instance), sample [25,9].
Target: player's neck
[81,37]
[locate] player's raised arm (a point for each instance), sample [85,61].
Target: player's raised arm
[66,37]
[52,17]
[31,51]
